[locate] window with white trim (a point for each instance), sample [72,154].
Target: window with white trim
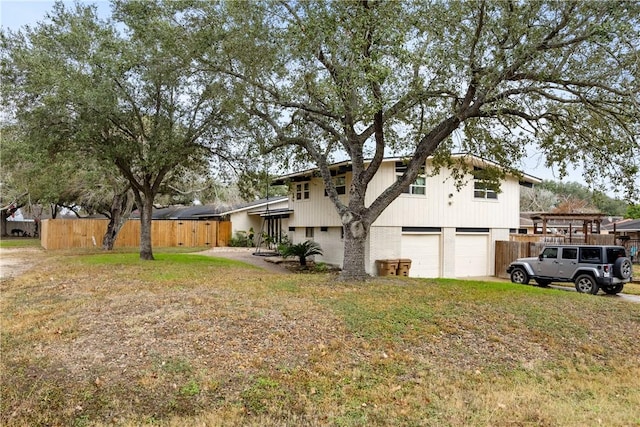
[481,189]
[302,191]
[419,186]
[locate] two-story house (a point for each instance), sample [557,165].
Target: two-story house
[445,232]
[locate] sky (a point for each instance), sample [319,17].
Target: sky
[14,14]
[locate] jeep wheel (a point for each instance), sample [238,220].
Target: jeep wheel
[613,289]
[586,284]
[518,275]
[622,268]
[543,282]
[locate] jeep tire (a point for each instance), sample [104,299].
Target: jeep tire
[586,284]
[622,268]
[518,275]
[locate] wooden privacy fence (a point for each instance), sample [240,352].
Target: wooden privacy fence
[87,233]
[522,246]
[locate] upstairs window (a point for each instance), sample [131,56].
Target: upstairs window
[481,188]
[419,186]
[340,182]
[302,191]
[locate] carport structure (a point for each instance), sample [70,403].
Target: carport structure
[567,223]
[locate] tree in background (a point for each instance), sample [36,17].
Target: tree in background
[596,200]
[537,199]
[362,80]
[123,92]
[633,211]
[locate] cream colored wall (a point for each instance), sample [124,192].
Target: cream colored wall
[318,210]
[330,242]
[244,220]
[444,205]
[241,221]
[436,209]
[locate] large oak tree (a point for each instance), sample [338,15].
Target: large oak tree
[123,90]
[364,79]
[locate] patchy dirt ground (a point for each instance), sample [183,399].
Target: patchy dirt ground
[16,261]
[128,343]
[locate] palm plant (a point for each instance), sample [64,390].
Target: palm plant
[301,250]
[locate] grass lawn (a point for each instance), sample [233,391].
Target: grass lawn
[102,339]
[19,242]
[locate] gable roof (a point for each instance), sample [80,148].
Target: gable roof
[345,166]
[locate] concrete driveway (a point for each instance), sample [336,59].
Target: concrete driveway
[273,264]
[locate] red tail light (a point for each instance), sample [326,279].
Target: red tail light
[606,268]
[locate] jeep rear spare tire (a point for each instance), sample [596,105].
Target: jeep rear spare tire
[622,268]
[518,275]
[586,284]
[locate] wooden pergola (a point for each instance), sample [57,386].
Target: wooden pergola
[589,221]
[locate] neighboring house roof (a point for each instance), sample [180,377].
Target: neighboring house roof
[345,166]
[626,225]
[208,211]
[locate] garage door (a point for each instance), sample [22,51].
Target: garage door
[472,252]
[424,252]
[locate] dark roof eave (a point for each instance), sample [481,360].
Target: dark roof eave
[309,173]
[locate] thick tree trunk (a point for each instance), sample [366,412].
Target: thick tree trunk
[146,252]
[3,223]
[120,209]
[353,262]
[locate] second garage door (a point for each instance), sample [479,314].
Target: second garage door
[472,252]
[424,252]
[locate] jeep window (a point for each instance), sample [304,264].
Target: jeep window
[614,253]
[591,255]
[570,253]
[550,253]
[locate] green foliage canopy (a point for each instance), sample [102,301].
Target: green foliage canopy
[363,80]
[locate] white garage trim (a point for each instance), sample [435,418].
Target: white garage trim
[424,251]
[472,255]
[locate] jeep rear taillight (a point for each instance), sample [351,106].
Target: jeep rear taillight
[606,268]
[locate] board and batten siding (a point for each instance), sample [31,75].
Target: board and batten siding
[316,211]
[444,206]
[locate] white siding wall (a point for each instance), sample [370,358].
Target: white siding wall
[317,211]
[330,242]
[241,221]
[332,245]
[443,206]
[438,209]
